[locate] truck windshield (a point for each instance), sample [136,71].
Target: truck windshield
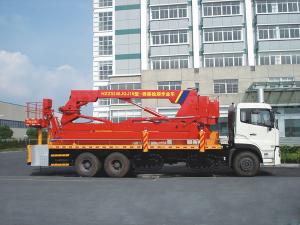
[260,117]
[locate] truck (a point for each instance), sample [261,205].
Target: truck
[93,144]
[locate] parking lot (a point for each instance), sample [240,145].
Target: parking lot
[176,196]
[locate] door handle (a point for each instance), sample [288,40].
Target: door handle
[252,134]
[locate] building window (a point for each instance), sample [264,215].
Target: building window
[289,6]
[169,85]
[104,101]
[105,45]
[103,87]
[12,123]
[125,86]
[281,79]
[286,59]
[197,86]
[264,7]
[105,21]
[105,69]
[105,3]
[279,32]
[169,37]
[267,32]
[291,110]
[221,9]
[117,116]
[292,127]
[168,12]
[226,86]
[276,59]
[223,60]
[289,32]
[223,35]
[161,63]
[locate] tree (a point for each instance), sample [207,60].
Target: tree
[32,133]
[5,132]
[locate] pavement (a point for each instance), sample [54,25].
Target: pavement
[175,196]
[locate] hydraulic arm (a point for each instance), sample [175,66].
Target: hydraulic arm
[195,113]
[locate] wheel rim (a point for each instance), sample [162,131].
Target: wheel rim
[246,164]
[86,165]
[116,165]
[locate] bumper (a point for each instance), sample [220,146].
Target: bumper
[272,158]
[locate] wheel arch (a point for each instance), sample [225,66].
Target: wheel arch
[242,148]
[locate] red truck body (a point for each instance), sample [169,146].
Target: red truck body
[196,113]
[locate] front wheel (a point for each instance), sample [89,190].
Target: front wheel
[246,164]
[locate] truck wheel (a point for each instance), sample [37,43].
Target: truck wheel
[116,165]
[87,165]
[246,164]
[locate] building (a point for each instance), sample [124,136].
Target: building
[225,48]
[13,115]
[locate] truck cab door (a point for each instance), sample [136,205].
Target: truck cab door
[256,127]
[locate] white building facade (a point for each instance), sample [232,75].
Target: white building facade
[135,40]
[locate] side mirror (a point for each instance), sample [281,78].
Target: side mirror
[272,120]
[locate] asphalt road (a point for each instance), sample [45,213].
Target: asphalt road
[58,196]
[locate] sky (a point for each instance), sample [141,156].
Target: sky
[45,49]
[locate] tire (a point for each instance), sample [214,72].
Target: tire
[246,164]
[87,165]
[116,165]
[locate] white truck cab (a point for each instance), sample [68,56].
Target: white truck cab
[255,128]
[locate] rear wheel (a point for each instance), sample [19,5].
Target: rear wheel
[246,164]
[87,165]
[116,165]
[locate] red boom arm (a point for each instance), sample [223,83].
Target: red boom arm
[196,111]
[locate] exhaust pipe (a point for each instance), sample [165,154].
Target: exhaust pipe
[260,95]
